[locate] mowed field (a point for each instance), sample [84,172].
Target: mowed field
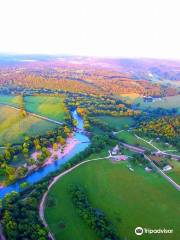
[117,122]
[14,127]
[15,101]
[128,137]
[166,103]
[129,199]
[47,106]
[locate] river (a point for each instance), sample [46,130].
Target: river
[83,142]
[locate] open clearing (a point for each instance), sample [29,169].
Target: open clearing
[47,106]
[14,127]
[166,103]
[117,122]
[129,199]
[129,138]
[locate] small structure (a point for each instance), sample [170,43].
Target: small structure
[115,150]
[158,154]
[167,168]
[147,169]
[120,158]
[147,99]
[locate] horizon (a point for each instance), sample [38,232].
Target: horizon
[86,56]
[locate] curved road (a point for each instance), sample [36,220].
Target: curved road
[42,203]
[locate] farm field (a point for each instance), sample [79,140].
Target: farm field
[15,101]
[121,195]
[129,138]
[47,106]
[14,127]
[117,122]
[166,103]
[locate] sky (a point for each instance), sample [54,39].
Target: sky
[105,28]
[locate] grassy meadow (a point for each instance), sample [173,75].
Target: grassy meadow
[14,126]
[129,138]
[117,122]
[129,199]
[15,101]
[47,106]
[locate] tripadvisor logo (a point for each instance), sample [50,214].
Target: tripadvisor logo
[139,231]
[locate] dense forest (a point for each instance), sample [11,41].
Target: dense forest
[84,78]
[167,128]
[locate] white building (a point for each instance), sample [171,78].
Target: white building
[147,169]
[167,168]
[115,150]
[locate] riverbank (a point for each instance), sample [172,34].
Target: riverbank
[58,153]
[76,143]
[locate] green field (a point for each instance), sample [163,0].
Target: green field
[129,138]
[164,147]
[48,106]
[12,100]
[175,172]
[117,122]
[129,199]
[14,127]
[166,103]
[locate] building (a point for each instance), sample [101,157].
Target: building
[167,168]
[115,150]
[147,99]
[120,158]
[147,169]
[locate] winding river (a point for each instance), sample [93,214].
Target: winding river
[83,142]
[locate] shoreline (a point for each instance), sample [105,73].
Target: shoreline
[71,142]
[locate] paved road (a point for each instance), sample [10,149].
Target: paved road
[34,114]
[133,148]
[118,131]
[158,150]
[147,142]
[42,203]
[162,173]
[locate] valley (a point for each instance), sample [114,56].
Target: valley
[91,147]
